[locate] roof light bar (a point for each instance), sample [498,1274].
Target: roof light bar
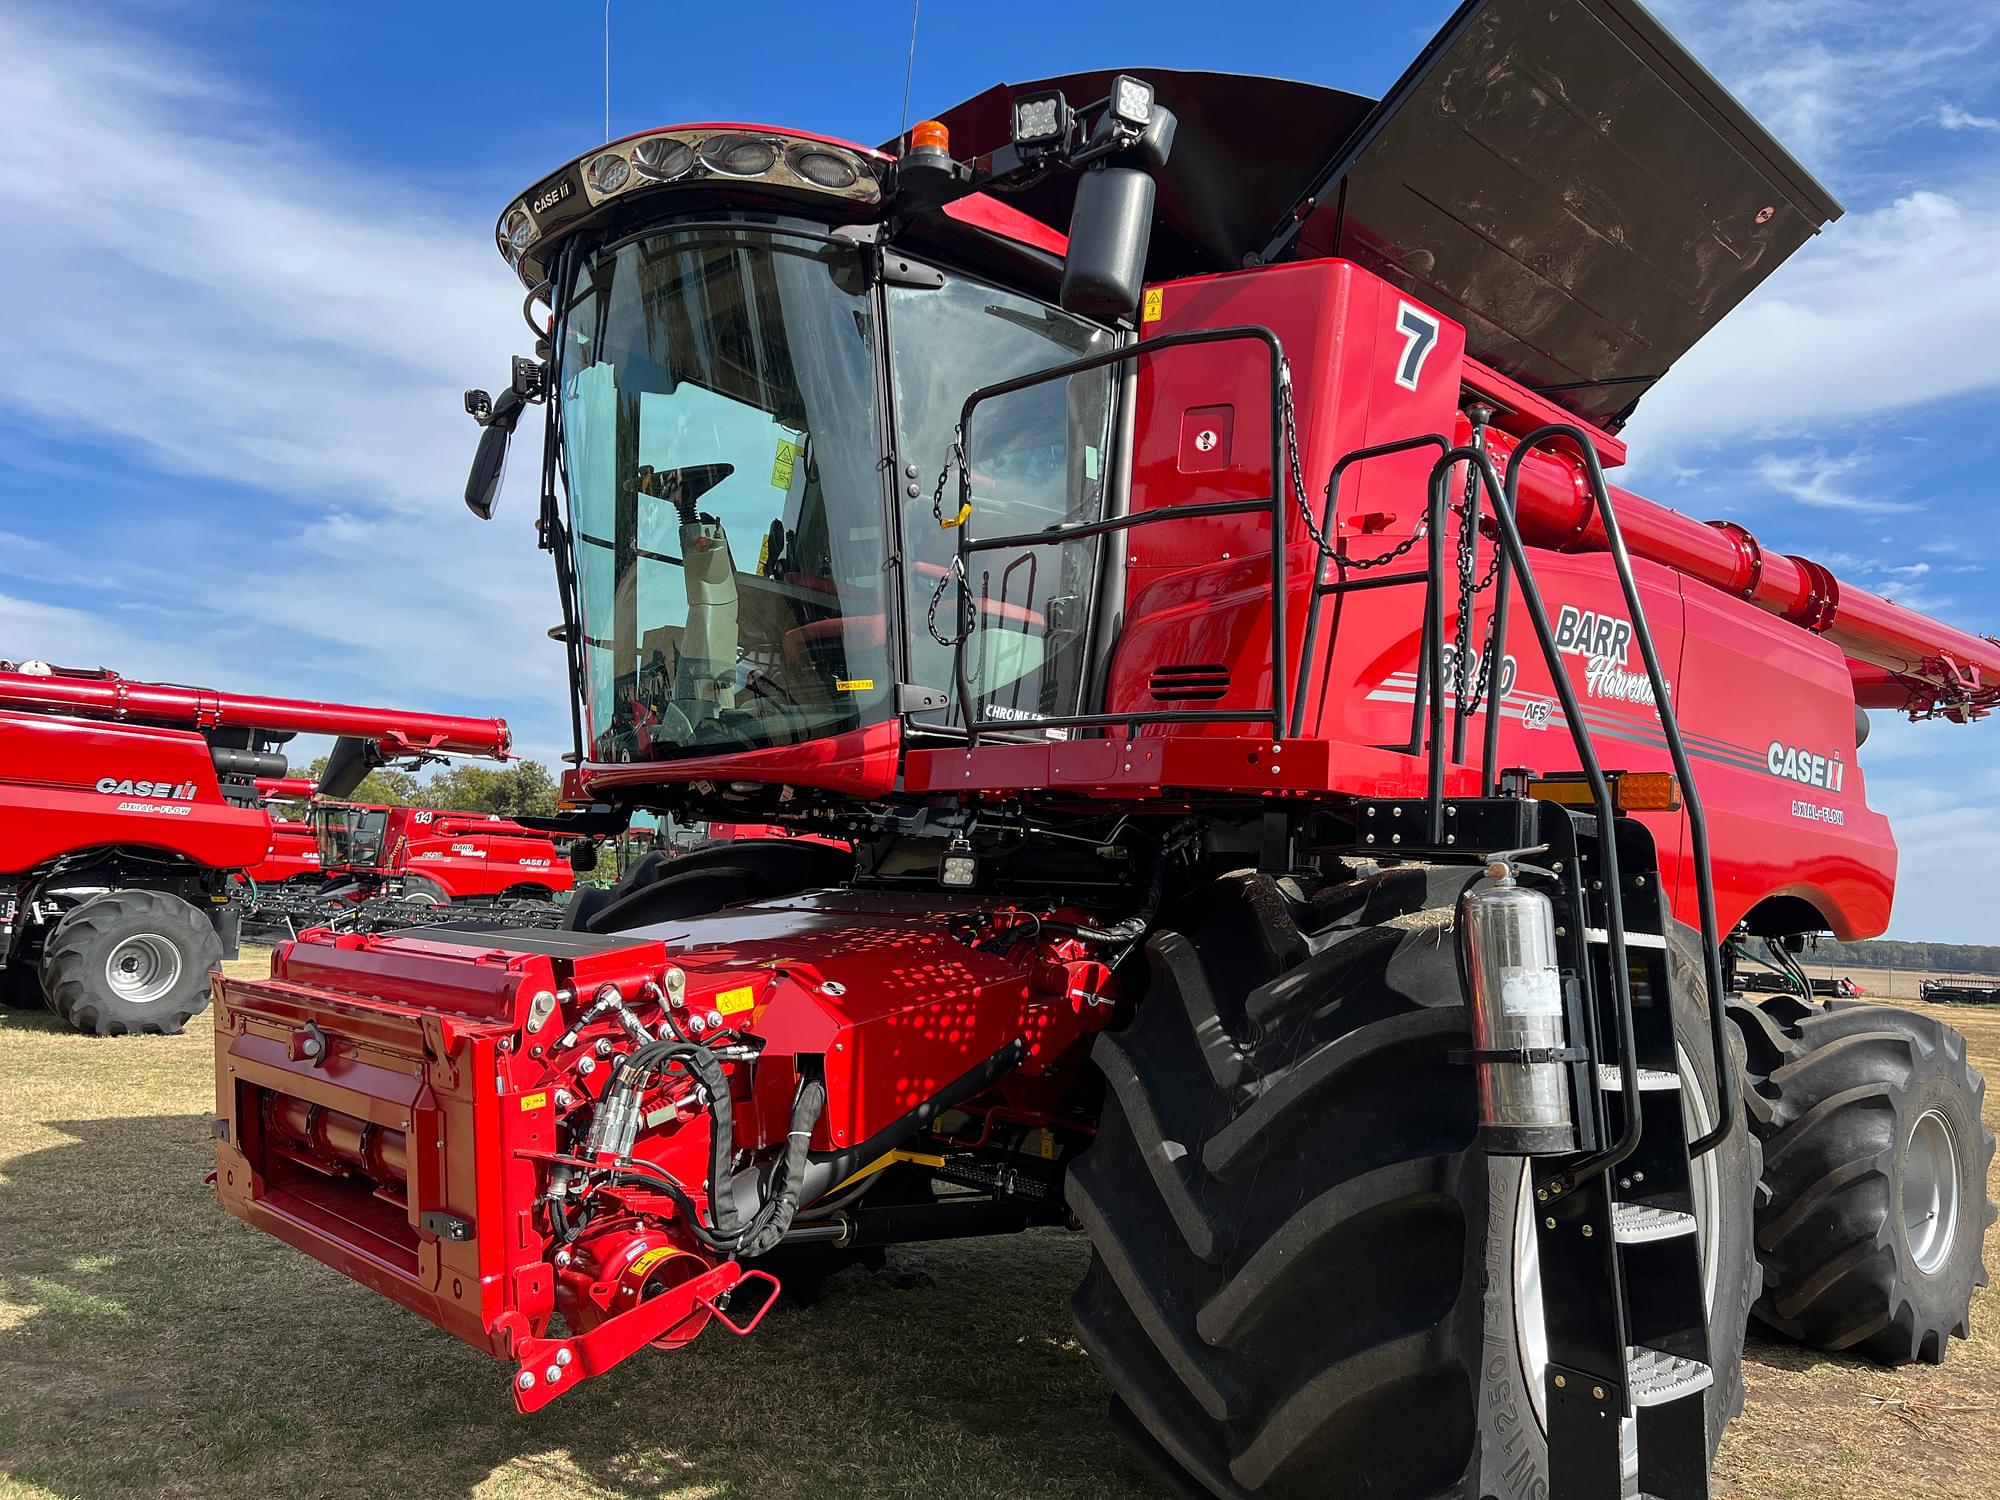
[681,157]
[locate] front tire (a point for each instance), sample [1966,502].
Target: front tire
[1875,1167]
[1286,1209]
[129,962]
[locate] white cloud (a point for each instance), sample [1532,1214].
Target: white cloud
[1887,310]
[1831,77]
[1821,481]
[224,300]
[1951,117]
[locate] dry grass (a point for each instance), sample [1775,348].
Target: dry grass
[152,1345]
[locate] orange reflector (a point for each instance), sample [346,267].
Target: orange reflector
[1631,791]
[930,135]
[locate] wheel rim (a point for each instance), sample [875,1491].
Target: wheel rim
[142,969]
[1930,1191]
[1531,1338]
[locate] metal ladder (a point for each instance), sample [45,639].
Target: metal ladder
[1625,1303]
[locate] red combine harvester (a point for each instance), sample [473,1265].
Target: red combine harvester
[1298,809]
[127,809]
[435,857]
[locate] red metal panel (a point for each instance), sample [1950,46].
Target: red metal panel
[71,785]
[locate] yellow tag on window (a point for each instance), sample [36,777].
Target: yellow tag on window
[781,466]
[1155,300]
[731,1002]
[855,685]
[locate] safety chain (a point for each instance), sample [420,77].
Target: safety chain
[955,458]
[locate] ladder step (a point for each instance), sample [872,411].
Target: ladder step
[1640,1224]
[1650,1079]
[1656,1377]
[1632,939]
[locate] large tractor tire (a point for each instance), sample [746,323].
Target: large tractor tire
[1303,1264]
[1875,1173]
[130,961]
[1286,1209]
[1513,1406]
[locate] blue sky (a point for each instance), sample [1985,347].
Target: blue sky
[250,269]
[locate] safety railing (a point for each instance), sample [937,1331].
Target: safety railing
[1277,712]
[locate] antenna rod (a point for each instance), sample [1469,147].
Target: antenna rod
[607,69]
[903,125]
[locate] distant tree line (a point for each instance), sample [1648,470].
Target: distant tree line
[1895,953]
[525,786]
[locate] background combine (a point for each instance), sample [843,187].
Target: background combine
[128,810]
[1276,806]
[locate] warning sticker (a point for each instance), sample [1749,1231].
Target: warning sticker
[644,1263]
[534,1101]
[731,1002]
[781,466]
[1155,304]
[1533,991]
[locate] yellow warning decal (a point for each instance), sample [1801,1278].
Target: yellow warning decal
[855,685]
[650,1259]
[729,1002]
[781,466]
[1155,300]
[1046,1145]
[534,1101]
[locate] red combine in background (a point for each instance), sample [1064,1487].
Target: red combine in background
[433,856]
[127,811]
[1280,811]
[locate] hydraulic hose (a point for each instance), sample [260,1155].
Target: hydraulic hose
[616,1127]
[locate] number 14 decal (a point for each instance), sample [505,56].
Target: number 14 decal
[1420,335]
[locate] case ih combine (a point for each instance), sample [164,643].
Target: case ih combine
[128,809]
[1298,805]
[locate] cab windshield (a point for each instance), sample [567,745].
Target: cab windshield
[349,837]
[724,451]
[720,451]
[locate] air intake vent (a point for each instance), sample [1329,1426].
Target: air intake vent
[1202,684]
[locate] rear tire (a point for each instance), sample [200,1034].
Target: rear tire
[130,961]
[1286,1209]
[1870,1117]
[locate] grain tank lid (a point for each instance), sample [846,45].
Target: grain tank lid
[1566,180]
[1245,150]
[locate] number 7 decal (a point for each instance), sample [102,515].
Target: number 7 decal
[1420,335]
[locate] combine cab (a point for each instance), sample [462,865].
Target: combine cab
[1278,808]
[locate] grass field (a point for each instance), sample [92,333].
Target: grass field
[152,1345]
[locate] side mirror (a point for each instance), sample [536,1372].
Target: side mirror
[1109,231]
[489,467]
[496,419]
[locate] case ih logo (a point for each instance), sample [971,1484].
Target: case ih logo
[173,791]
[550,196]
[1804,767]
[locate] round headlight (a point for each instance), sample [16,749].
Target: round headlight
[607,173]
[662,158]
[738,155]
[519,230]
[824,168]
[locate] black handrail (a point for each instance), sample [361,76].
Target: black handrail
[1277,714]
[1670,725]
[1600,796]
